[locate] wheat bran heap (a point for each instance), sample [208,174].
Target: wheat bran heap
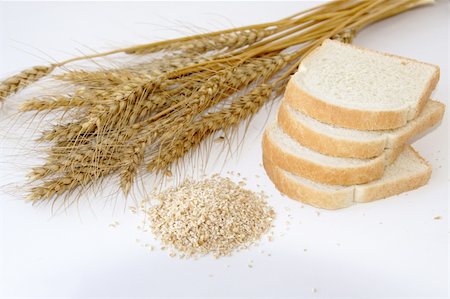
[214,216]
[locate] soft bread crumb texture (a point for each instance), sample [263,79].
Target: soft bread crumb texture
[352,77]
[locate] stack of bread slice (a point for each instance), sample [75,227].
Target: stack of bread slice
[343,125]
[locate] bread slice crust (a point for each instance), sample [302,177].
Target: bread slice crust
[327,174]
[343,197]
[306,194]
[337,146]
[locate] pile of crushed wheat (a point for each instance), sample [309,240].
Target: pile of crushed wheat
[214,216]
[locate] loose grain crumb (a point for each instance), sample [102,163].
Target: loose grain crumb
[437,218]
[214,216]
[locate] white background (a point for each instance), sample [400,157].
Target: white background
[389,248]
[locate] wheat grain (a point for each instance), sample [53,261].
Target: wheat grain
[52,103]
[224,119]
[19,81]
[230,41]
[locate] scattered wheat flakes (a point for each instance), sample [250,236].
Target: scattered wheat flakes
[250,265]
[168,173]
[437,217]
[219,139]
[240,207]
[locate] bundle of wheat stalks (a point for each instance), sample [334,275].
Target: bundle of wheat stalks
[154,112]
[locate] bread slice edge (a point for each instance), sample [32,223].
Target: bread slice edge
[355,148]
[343,197]
[333,175]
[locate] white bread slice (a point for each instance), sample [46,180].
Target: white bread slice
[357,88]
[408,172]
[300,160]
[341,142]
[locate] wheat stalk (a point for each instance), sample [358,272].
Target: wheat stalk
[229,41]
[21,80]
[224,119]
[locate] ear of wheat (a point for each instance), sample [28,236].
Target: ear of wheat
[154,112]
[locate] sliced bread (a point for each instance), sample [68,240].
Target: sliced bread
[408,172]
[341,142]
[300,160]
[357,88]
